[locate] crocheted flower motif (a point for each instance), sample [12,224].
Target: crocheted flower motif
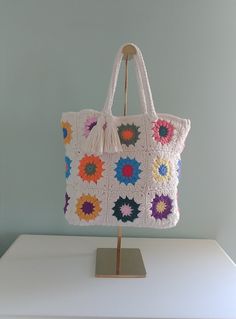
[89,124]
[127,170]
[161,170]
[162,131]
[68,162]
[126,209]
[128,134]
[161,206]
[91,168]
[88,207]
[67,198]
[179,168]
[67,132]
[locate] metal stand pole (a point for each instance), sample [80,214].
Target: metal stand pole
[119,238]
[117,262]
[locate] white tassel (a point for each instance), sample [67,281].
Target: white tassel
[103,137]
[95,140]
[111,139]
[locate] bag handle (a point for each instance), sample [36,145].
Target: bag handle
[104,136]
[142,79]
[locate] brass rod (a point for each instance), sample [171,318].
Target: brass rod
[126,86]
[118,250]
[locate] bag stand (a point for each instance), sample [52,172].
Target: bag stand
[121,262]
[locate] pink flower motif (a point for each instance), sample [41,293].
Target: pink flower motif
[162,131]
[126,210]
[89,124]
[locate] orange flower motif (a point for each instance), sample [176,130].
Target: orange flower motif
[127,134]
[67,132]
[91,168]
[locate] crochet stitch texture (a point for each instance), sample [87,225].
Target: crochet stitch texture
[144,177]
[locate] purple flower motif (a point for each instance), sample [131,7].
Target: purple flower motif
[67,198]
[161,207]
[87,207]
[89,124]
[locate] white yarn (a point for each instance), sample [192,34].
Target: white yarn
[143,82]
[106,139]
[95,140]
[111,138]
[103,137]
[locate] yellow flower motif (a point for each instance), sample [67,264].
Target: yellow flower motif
[67,132]
[88,207]
[161,206]
[161,170]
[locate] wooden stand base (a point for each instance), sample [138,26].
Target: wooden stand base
[131,263]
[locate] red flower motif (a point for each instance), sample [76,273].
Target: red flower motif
[127,170]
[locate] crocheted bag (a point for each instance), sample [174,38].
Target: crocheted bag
[123,170]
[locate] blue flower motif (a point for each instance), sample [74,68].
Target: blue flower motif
[163,170]
[64,132]
[68,162]
[127,170]
[179,168]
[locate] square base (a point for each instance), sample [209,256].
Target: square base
[132,265]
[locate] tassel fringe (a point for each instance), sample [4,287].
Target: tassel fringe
[112,140]
[95,140]
[103,137]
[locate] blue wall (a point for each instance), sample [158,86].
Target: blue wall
[57,56]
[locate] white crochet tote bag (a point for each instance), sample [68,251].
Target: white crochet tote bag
[123,170]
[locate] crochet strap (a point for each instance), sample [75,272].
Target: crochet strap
[104,136]
[142,79]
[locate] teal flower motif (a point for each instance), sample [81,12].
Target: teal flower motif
[128,134]
[127,170]
[126,209]
[68,162]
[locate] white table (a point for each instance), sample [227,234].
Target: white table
[53,276]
